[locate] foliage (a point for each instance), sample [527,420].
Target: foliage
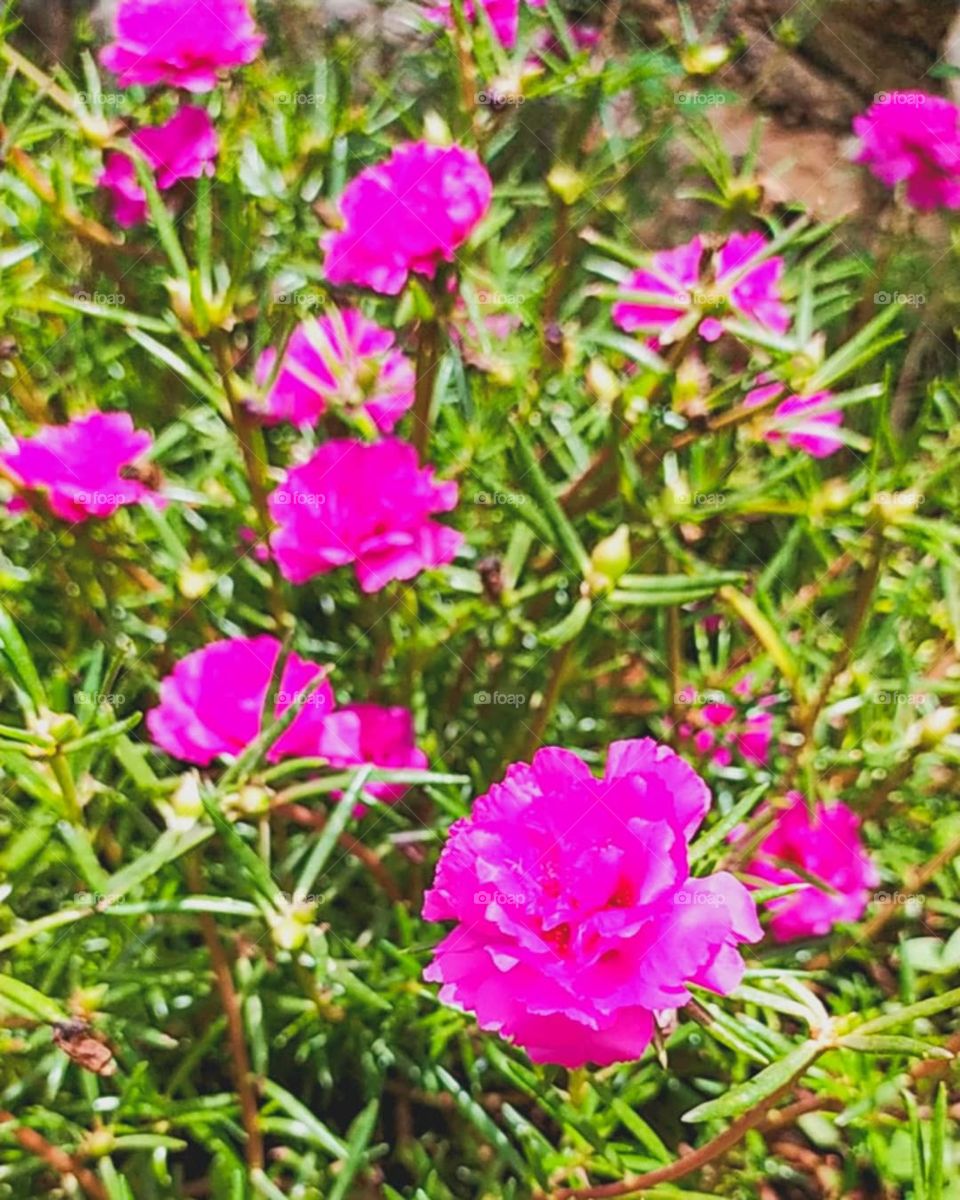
[188,921]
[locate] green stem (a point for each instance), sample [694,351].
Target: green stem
[68,787]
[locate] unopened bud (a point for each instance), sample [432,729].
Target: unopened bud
[933,728]
[610,559]
[566,183]
[704,59]
[185,801]
[436,131]
[602,383]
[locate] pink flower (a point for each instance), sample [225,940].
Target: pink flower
[338,359]
[84,468]
[367,733]
[913,137]
[409,213]
[183,43]
[736,281]
[504,16]
[546,42]
[185,147]
[577,915]
[212,703]
[366,504]
[803,421]
[119,178]
[718,728]
[824,846]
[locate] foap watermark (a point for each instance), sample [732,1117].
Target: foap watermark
[97,900]
[303,499]
[304,698]
[103,299]
[913,699]
[301,99]
[904,499]
[501,699]
[500,299]
[904,99]
[102,99]
[906,299]
[504,899]
[98,699]
[102,498]
[700,99]
[699,899]
[688,695]
[492,498]
[910,899]
[494,97]
[300,299]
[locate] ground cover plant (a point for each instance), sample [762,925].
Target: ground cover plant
[479,623]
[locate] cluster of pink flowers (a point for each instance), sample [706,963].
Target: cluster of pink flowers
[834,872]
[503,15]
[180,43]
[369,504]
[804,422]
[577,923]
[185,147]
[576,916]
[407,215]
[212,706]
[690,288]
[720,729]
[86,468]
[913,138]
[343,360]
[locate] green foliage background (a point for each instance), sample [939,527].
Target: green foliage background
[837,585]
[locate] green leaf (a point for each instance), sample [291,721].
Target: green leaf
[327,840]
[361,1131]
[299,1112]
[891,1044]
[21,664]
[761,1087]
[567,537]
[912,1012]
[21,999]
[169,846]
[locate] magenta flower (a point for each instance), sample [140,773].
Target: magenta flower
[341,359]
[802,421]
[119,178]
[410,213]
[913,138]
[185,147]
[546,42]
[213,701]
[384,737]
[825,846]
[577,917]
[84,468]
[183,43]
[701,291]
[366,504]
[721,731]
[504,16]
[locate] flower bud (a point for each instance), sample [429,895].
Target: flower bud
[436,131]
[704,59]
[610,559]
[185,802]
[566,183]
[602,383]
[933,728]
